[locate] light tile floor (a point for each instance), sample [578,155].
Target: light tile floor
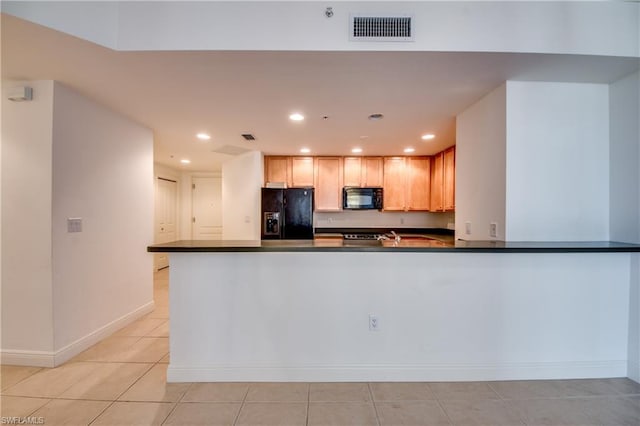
[122,381]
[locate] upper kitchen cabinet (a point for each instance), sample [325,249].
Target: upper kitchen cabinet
[363,171]
[437,179]
[301,171]
[394,184]
[328,183]
[277,169]
[418,171]
[450,179]
[443,180]
[372,171]
[352,171]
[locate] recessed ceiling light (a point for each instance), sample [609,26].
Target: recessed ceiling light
[203,136]
[305,150]
[376,117]
[428,136]
[409,150]
[185,161]
[356,150]
[296,117]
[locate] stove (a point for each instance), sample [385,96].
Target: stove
[361,237]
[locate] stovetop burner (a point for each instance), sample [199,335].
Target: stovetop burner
[361,236]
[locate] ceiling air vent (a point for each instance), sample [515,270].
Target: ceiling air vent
[248,137]
[381,28]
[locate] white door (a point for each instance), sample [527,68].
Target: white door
[166,213]
[207,209]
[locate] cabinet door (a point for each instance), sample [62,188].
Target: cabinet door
[301,171]
[352,171]
[328,183]
[437,180]
[418,171]
[372,171]
[277,169]
[394,183]
[449,185]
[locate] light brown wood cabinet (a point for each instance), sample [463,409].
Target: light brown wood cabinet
[372,171]
[407,183]
[352,171]
[328,183]
[449,184]
[410,183]
[363,171]
[437,179]
[394,184]
[301,171]
[277,169]
[443,180]
[418,170]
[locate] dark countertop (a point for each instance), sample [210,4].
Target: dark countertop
[405,245]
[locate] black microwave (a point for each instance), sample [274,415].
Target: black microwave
[355,198]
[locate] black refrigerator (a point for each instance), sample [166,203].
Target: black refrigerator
[287,214]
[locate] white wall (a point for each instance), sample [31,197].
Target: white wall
[90,20]
[480,166]
[67,157]
[557,184]
[601,28]
[624,109]
[376,219]
[241,182]
[27,309]
[442,316]
[624,113]
[103,173]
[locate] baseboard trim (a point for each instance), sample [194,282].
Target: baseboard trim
[55,358]
[27,358]
[398,373]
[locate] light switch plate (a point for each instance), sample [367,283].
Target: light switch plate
[74,224]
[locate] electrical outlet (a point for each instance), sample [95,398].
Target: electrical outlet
[493,229]
[467,228]
[374,323]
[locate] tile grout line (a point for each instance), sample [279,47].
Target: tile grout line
[437,399]
[175,406]
[373,402]
[507,404]
[23,379]
[308,402]
[244,399]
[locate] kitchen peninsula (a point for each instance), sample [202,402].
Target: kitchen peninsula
[330,311]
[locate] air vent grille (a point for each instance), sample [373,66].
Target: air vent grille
[381,28]
[248,137]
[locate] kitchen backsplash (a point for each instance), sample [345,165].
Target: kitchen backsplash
[376,219]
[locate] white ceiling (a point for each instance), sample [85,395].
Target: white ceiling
[226,93]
